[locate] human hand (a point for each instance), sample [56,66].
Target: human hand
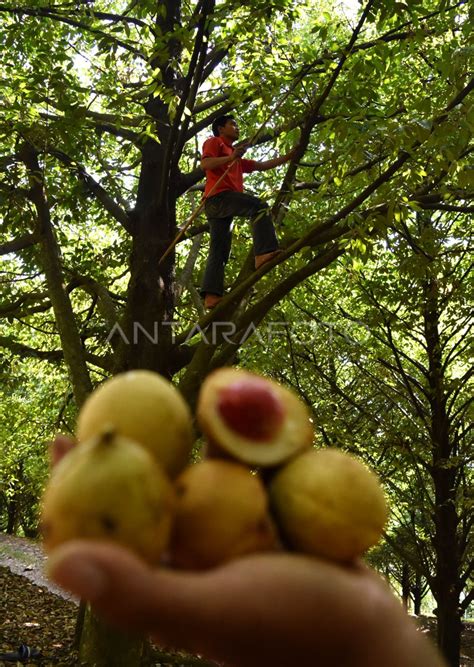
[262,610]
[239,151]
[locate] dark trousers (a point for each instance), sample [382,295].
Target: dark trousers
[220,210]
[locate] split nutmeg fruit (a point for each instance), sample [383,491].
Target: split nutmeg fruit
[253,419]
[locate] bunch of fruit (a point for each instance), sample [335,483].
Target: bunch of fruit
[261,487]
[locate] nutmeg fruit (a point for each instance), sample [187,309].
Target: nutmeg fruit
[328,503]
[221,513]
[252,418]
[145,407]
[109,488]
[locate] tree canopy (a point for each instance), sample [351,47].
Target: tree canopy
[105,106]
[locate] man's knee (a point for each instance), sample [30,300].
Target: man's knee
[262,210]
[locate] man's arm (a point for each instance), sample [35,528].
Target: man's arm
[276,162]
[208,163]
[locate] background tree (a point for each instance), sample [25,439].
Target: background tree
[31,410]
[389,379]
[404,575]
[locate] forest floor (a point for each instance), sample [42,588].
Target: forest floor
[36,613]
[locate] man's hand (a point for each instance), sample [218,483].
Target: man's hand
[214,162]
[258,611]
[239,151]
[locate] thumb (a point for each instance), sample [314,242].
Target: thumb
[129,594]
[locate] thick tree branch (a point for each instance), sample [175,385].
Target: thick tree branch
[70,341]
[252,317]
[101,122]
[467,600]
[36,299]
[204,106]
[214,59]
[22,242]
[26,351]
[54,356]
[191,85]
[186,181]
[454,395]
[111,206]
[105,302]
[448,207]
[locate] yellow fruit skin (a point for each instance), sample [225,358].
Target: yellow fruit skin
[109,489]
[222,513]
[328,504]
[295,435]
[145,407]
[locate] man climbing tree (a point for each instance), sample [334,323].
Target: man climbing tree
[225,198]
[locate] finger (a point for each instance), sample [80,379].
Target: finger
[59,447]
[131,595]
[193,612]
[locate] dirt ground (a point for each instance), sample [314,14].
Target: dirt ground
[36,613]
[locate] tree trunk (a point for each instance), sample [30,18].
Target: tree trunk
[417,594]
[406,585]
[150,302]
[12,516]
[449,626]
[103,646]
[447,580]
[445,473]
[146,343]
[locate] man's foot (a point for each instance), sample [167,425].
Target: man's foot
[260,260]
[211,301]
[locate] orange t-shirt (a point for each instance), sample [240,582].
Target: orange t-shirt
[233,180]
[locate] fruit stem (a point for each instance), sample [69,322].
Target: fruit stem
[107,434]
